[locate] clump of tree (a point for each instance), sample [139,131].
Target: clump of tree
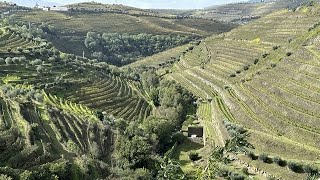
[141,143]
[238,141]
[219,159]
[121,49]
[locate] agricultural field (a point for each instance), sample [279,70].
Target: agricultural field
[265,79]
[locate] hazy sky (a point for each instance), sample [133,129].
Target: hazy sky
[176,4]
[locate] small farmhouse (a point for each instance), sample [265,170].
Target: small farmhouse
[195,131]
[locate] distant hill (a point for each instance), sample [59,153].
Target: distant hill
[243,12]
[70,28]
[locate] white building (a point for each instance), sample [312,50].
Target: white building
[60,8]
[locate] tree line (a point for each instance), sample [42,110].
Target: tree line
[121,49]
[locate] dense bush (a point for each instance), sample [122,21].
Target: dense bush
[15,60]
[296,167]
[179,137]
[275,47]
[252,156]
[265,55]
[246,68]
[8,60]
[280,161]
[121,49]
[20,49]
[36,62]
[194,156]
[309,169]
[289,53]
[265,158]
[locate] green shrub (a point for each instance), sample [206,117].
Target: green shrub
[309,169]
[5,177]
[36,62]
[280,161]
[245,171]
[8,60]
[179,138]
[40,69]
[246,68]
[9,49]
[273,65]
[19,49]
[313,177]
[265,158]
[22,59]
[233,75]
[43,51]
[15,60]
[194,156]
[265,55]
[295,167]
[289,53]
[275,47]
[223,172]
[252,156]
[2,61]
[256,61]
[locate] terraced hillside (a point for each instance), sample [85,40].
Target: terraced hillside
[90,83]
[11,41]
[114,96]
[71,28]
[40,132]
[264,76]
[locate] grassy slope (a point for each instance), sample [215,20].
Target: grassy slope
[270,105]
[155,60]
